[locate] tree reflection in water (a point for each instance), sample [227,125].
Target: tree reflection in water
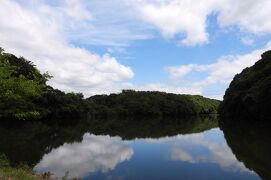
[28,142]
[251,144]
[100,145]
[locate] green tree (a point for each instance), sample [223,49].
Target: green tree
[18,91]
[249,94]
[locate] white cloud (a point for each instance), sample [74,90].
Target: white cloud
[221,72]
[162,87]
[179,16]
[249,15]
[93,154]
[173,18]
[37,35]
[109,28]
[77,10]
[180,71]
[189,18]
[170,88]
[210,80]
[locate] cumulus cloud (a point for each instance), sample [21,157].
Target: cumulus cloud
[249,15]
[189,18]
[39,35]
[179,16]
[180,71]
[173,18]
[93,154]
[221,72]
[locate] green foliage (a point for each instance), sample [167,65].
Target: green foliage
[249,94]
[22,172]
[57,104]
[150,103]
[17,174]
[3,160]
[18,91]
[24,67]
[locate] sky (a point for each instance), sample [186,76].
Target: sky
[104,46]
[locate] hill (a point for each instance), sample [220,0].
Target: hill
[249,94]
[151,103]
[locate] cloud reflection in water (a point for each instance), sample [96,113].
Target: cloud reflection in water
[206,147]
[94,153]
[104,153]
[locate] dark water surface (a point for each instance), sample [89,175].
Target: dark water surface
[157,148]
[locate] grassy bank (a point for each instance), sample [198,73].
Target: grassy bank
[21,172]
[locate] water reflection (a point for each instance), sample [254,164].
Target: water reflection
[206,147]
[152,127]
[28,142]
[94,153]
[141,149]
[251,144]
[99,157]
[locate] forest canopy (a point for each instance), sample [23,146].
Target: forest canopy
[249,94]
[154,103]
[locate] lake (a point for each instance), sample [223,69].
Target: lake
[157,148]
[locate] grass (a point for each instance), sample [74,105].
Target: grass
[21,172]
[9,173]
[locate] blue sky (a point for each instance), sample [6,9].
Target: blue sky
[97,47]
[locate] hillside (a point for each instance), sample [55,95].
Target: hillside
[151,103]
[249,94]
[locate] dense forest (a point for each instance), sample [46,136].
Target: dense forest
[140,103]
[249,94]
[24,95]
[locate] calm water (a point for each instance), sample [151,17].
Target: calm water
[159,149]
